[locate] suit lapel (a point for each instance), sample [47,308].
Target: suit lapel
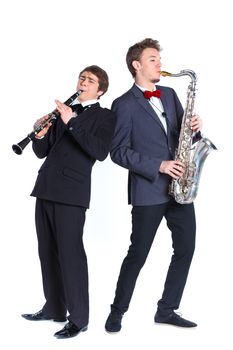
[146,105]
[88,112]
[75,108]
[165,104]
[61,127]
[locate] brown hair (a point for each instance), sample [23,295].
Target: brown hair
[135,51]
[100,74]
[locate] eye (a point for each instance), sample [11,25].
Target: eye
[92,81]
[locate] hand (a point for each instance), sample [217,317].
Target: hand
[45,129]
[196,123]
[65,111]
[174,168]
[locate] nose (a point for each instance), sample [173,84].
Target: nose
[159,64]
[83,82]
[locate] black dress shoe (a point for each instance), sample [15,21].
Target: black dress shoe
[113,323]
[70,330]
[174,319]
[39,316]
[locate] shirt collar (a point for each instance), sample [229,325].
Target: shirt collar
[85,103]
[144,89]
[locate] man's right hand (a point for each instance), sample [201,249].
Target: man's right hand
[174,168]
[45,129]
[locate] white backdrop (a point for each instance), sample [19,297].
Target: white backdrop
[44,45]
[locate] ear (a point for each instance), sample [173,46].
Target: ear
[99,93]
[136,65]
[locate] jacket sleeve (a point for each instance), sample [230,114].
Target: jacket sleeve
[122,152]
[179,108]
[96,144]
[41,147]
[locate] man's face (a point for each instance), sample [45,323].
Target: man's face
[88,83]
[149,65]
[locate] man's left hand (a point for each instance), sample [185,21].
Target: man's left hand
[196,123]
[65,111]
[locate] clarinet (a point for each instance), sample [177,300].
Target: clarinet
[19,147]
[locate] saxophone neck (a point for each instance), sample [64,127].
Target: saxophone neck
[188,72]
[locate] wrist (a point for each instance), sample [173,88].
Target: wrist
[161,168]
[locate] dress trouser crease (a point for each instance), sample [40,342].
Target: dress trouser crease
[63,260]
[145,222]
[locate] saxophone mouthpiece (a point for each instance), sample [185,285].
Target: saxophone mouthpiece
[165,74]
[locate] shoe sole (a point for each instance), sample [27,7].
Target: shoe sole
[59,319]
[45,319]
[112,332]
[84,329]
[174,325]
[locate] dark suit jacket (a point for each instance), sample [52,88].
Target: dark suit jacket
[140,143]
[71,151]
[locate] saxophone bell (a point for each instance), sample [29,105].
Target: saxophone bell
[192,155]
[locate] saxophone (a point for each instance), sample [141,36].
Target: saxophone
[192,155]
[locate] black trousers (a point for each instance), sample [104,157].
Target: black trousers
[63,260]
[145,222]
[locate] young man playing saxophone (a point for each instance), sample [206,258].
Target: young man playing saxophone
[147,132]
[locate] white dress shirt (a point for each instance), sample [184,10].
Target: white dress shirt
[157,106]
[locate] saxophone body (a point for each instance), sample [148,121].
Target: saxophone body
[191,155]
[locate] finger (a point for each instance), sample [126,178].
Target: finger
[179,167]
[59,104]
[194,119]
[178,171]
[178,162]
[174,176]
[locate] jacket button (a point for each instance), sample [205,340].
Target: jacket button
[70,128]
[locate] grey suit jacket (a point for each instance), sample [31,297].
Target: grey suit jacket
[140,143]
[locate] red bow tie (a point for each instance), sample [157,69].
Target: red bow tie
[149,94]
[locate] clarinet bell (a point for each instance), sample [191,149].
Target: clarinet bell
[19,147]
